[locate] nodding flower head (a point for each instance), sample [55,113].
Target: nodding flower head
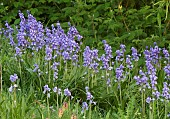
[46,89]
[57,90]
[67,92]
[84,106]
[13,78]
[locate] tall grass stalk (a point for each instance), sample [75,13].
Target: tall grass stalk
[92,79]
[150,112]
[165,109]
[120,91]
[57,102]
[157,108]
[143,104]
[153,109]
[48,106]
[66,70]
[20,70]
[88,77]
[90,111]
[1,77]
[106,82]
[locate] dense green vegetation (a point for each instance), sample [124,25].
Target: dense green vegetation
[91,59]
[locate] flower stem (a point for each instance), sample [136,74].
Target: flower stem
[1,77]
[143,104]
[49,73]
[57,102]
[165,110]
[48,107]
[158,108]
[120,94]
[90,111]
[88,77]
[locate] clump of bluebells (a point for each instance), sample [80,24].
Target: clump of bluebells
[91,59]
[58,49]
[106,58]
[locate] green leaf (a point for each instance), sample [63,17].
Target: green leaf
[42,1]
[33,10]
[17,21]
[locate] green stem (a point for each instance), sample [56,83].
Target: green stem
[153,109]
[106,82]
[66,69]
[48,107]
[150,112]
[60,62]
[90,111]
[57,102]
[1,77]
[158,108]
[12,108]
[69,104]
[49,72]
[143,104]
[165,110]
[39,81]
[15,99]
[92,80]
[20,71]
[88,77]
[116,96]
[120,95]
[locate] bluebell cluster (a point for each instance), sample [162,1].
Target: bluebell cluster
[31,34]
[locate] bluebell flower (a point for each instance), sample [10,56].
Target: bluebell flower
[108,82]
[72,32]
[167,71]
[106,58]
[90,58]
[36,67]
[9,33]
[89,96]
[165,91]
[66,55]
[120,72]
[135,55]
[157,94]
[123,47]
[46,89]
[54,66]
[128,62]
[67,92]
[13,78]
[148,99]
[84,106]
[119,55]
[166,54]
[18,51]
[48,53]
[11,89]
[87,88]
[57,90]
